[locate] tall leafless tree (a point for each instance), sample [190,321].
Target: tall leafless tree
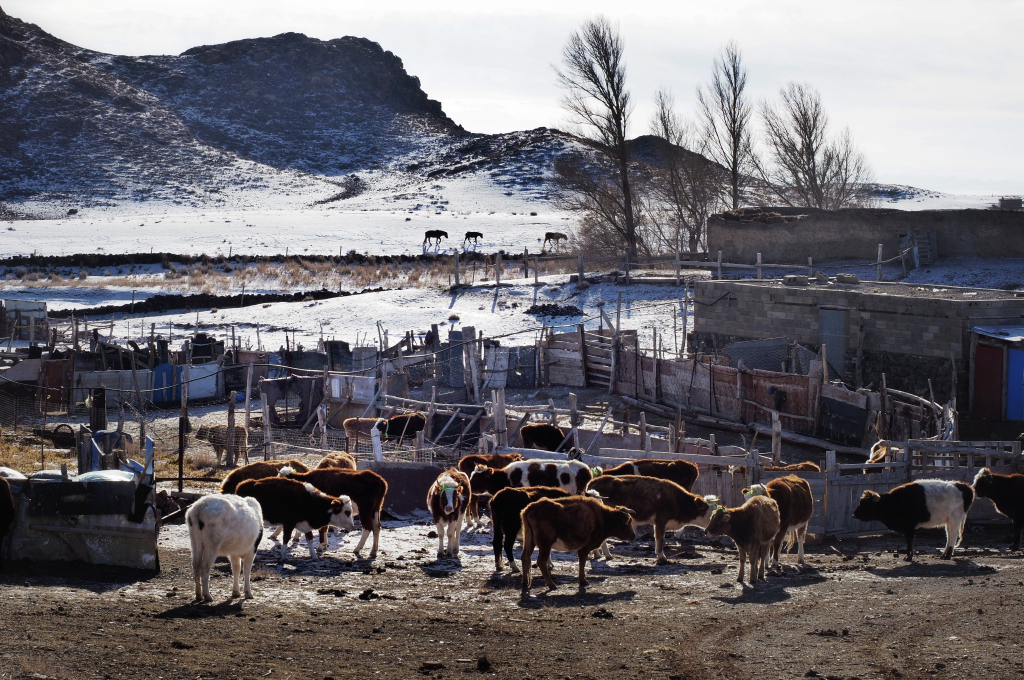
[805,167]
[593,76]
[725,113]
[687,187]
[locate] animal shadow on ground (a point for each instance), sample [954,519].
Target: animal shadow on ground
[569,595]
[441,568]
[931,568]
[194,610]
[764,593]
[94,578]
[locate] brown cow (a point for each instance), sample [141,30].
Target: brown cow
[492,460]
[796,505]
[576,524]
[506,518]
[806,466]
[217,436]
[258,470]
[367,490]
[752,527]
[660,502]
[354,427]
[448,499]
[682,472]
[338,460]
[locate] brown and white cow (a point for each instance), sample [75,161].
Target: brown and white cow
[447,500]
[682,472]
[570,475]
[660,502]
[752,527]
[469,463]
[796,505]
[506,518]
[578,524]
[258,470]
[365,488]
[294,505]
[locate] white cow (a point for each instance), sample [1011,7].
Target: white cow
[229,525]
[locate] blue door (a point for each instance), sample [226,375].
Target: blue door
[1015,385]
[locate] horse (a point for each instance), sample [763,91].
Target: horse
[555,236]
[475,235]
[434,234]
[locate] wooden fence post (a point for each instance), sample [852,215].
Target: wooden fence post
[719,264]
[879,262]
[500,420]
[536,270]
[458,283]
[248,397]
[810,266]
[497,270]
[759,266]
[776,438]
[267,443]
[580,271]
[677,268]
[230,443]
[583,352]
[618,313]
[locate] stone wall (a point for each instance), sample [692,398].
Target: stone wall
[911,339]
[855,234]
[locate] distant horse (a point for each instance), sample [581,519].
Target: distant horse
[475,235]
[555,236]
[434,234]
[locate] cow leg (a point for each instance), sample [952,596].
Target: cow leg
[606,551]
[497,543]
[952,537]
[247,561]
[743,561]
[659,542]
[276,533]
[1018,528]
[454,535]
[362,539]
[801,536]
[201,577]
[376,534]
[309,545]
[527,558]
[440,530]
[287,529]
[544,562]
[236,569]
[582,554]
[322,547]
[776,547]
[910,546]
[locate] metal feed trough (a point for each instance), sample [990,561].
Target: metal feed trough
[105,515]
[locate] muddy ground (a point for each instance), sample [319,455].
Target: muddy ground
[857,610]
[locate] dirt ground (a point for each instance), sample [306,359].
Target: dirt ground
[857,610]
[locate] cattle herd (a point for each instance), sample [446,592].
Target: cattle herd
[556,505]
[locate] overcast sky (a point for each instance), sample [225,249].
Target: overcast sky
[932,91]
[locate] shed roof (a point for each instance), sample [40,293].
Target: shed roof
[1007,333]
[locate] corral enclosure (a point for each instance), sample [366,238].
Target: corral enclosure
[855,234]
[910,333]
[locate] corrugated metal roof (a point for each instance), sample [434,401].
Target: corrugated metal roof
[1007,333]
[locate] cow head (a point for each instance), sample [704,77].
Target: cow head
[480,478]
[203,434]
[718,523]
[983,482]
[755,490]
[341,514]
[869,508]
[710,505]
[619,523]
[451,493]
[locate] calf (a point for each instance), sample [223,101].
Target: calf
[362,426]
[258,470]
[506,518]
[468,463]
[365,488]
[577,524]
[223,525]
[6,512]
[1005,491]
[926,503]
[660,502]
[447,500]
[806,466]
[217,436]
[543,436]
[337,460]
[405,425]
[571,475]
[752,527]
[682,472]
[796,505]
[294,505]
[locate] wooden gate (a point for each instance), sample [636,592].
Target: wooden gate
[597,359]
[845,484]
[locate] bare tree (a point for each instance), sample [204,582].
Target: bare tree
[687,187]
[593,76]
[805,167]
[725,114]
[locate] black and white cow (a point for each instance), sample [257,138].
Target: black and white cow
[923,504]
[571,475]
